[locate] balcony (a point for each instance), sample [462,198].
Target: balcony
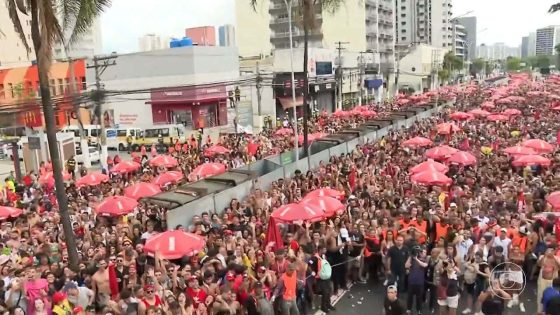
[284,20]
[371,3]
[277,37]
[372,29]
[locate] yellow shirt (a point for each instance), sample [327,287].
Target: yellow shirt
[62,309]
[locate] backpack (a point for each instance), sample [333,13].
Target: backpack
[326,269]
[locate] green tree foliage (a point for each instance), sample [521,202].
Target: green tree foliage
[513,64]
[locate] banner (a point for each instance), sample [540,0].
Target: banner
[32,118]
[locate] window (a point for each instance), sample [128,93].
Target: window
[403,23]
[121,133]
[2,95]
[403,38]
[403,31]
[403,15]
[61,86]
[84,83]
[52,86]
[95,132]
[11,88]
[403,8]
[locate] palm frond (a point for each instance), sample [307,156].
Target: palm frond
[88,12]
[49,29]
[13,13]
[68,11]
[253,4]
[331,6]
[21,6]
[554,8]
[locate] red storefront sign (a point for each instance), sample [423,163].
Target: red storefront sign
[32,118]
[192,95]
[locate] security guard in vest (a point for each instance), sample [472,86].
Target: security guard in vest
[71,166]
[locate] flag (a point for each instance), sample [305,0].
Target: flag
[558,137]
[352,178]
[521,201]
[273,235]
[113,283]
[495,145]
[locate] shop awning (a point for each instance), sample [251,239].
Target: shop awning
[288,102]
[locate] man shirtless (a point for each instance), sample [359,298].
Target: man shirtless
[550,265]
[100,284]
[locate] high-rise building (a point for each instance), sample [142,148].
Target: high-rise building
[361,25]
[226,35]
[150,42]
[424,21]
[524,46]
[460,41]
[532,51]
[547,38]
[12,50]
[469,23]
[202,35]
[497,51]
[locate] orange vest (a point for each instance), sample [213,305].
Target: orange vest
[290,286]
[422,227]
[520,241]
[441,231]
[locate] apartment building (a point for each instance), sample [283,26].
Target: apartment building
[424,21]
[546,39]
[470,25]
[226,35]
[150,42]
[12,51]
[460,41]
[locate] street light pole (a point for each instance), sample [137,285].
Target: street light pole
[289,9]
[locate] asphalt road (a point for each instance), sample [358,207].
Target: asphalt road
[368,299]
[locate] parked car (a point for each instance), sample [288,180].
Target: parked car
[7,151]
[94,155]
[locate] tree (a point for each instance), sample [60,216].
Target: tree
[513,64]
[443,75]
[452,62]
[478,65]
[46,30]
[555,7]
[306,18]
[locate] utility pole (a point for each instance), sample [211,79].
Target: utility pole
[259,92]
[100,64]
[340,49]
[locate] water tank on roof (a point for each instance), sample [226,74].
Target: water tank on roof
[186,42]
[174,43]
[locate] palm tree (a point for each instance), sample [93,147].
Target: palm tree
[46,30]
[306,18]
[555,7]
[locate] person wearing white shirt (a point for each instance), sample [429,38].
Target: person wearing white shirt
[503,241]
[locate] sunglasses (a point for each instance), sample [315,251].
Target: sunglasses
[150,291]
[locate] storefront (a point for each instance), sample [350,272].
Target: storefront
[194,107]
[283,93]
[322,94]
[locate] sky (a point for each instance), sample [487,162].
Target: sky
[127,20]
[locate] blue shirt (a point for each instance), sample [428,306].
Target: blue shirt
[548,294]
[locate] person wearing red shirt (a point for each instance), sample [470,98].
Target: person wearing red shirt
[150,297]
[194,291]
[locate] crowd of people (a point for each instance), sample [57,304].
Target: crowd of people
[484,232]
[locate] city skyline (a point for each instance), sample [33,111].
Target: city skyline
[172,19]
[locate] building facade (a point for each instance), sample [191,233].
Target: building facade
[12,51]
[525,47]
[226,35]
[89,44]
[532,44]
[191,90]
[151,42]
[470,25]
[497,51]
[547,39]
[252,29]
[20,93]
[202,36]
[460,47]
[424,21]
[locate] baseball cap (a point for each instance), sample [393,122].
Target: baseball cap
[453,205]
[503,230]
[58,297]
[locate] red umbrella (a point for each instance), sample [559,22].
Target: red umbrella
[462,158]
[431,178]
[166,161]
[273,235]
[92,179]
[530,160]
[208,169]
[48,178]
[417,142]
[519,150]
[126,167]
[512,112]
[429,165]
[440,152]
[447,128]
[325,192]
[141,190]
[497,117]
[538,145]
[556,108]
[340,113]
[174,244]
[488,105]
[554,200]
[284,131]
[168,177]
[298,212]
[479,112]
[460,116]
[116,206]
[329,205]
[216,149]
[10,212]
